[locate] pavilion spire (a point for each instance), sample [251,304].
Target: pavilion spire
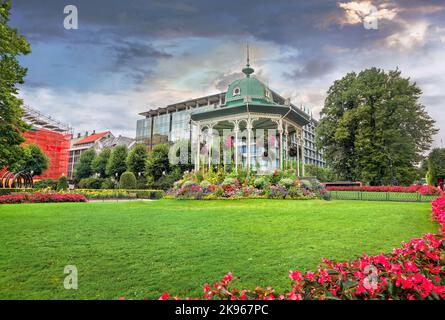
[248,70]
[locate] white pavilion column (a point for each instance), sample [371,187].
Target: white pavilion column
[249,135]
[280,131]
[286,136]
[198,144]
[236,130]
[297,140]
[210,133]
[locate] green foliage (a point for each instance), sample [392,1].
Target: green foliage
[33,161]
[127,180]
[83,168]
[12,45]
[62,183]
[108,183]
[436,165]
[137,159]
[116,165]
[260,183]
[90,183]
[46,183]
[322,174]
[157,162]
[374,128]
[286,183]
[6,191]
[166,181]
[99,163]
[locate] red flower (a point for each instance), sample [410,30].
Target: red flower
[165,296]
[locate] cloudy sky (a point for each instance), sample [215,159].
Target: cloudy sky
[130,56]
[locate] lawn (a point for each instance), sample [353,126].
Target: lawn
[140,249]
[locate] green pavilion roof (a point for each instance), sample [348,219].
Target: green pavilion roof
[249,95]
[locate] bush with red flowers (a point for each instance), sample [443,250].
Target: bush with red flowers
[41,198]
[414,271]
[423,190]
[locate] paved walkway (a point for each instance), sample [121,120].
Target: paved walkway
[119,200]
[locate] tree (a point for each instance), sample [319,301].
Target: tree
[322,174]
[373,127]
[99,164]
[33,160]
[157,162]
[12,126]
[436,165]
[83,168]
[137,159]
[62,183]
[116,164]
[127,180]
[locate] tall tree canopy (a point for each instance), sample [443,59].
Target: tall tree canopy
[33,161]
[136,159]
[373,127]
[117,163]
[99,164]
[11,73]
[83,168]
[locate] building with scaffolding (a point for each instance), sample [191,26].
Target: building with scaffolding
[53,137]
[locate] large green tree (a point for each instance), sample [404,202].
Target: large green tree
[117,163]
[12,45]
[83,168]
[99,164]
[33,161]
[137,159]
[373,127]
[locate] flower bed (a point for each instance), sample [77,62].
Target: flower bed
[279,185]
[414,271]
[41,198]
[423,190]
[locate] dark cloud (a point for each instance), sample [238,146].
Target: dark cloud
[311,69]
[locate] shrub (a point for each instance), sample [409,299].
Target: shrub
[306,184]
[91,183]
[46,183]
[260,183]
[127,181]
[6,191]
[286,183]
[108,183]
[62,183]
[295,193]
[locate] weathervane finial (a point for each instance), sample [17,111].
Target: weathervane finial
[248,70]
[248,59]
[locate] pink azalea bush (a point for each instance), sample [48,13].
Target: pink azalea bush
[41,198]
[414,271]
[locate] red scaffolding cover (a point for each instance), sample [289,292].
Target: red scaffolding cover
[56,146]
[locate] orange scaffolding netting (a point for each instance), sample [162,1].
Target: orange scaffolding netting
[56,146]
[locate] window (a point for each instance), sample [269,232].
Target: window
[236,91]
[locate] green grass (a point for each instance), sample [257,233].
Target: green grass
[140,249]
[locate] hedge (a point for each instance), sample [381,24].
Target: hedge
[121,193]
[5,191]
